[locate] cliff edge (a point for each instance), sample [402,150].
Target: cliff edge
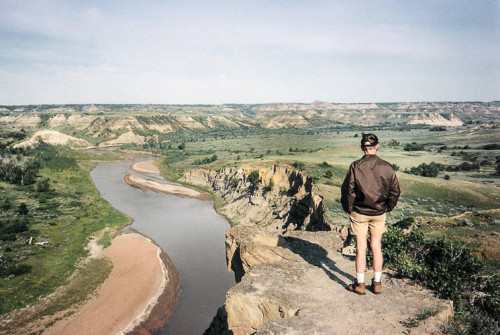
[291,277]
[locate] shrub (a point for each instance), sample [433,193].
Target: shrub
[449,268]
[426,170]
[23,209]
[437,128]
[7,204]
[269,186]
[15,170]
[328,174]
[234,182]
[16,269]
[493,146]
[413,146]
[253,177]
[43,185]
[299,165]
[490,302]
[206,160]
[393,143]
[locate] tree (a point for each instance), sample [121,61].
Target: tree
[253,177]
[23,209]
[43,185]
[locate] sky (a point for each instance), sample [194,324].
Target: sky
[215,52]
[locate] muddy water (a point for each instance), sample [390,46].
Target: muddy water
[189,231]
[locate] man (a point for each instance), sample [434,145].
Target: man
[369,191]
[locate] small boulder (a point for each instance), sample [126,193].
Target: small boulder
[466,222]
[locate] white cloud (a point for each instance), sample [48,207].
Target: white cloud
[242,51]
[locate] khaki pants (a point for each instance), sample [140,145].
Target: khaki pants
[360,224]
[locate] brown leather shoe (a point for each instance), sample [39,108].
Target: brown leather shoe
[357,288]
[376,287]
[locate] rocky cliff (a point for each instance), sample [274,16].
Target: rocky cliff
[283,198]
[290,275]
[294,283]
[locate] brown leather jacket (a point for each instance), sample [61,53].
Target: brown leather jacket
[371,187]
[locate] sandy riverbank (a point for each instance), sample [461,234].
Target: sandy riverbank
[139,294]
[167,188]
[145,167]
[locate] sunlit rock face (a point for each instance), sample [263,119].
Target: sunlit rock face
[291,277]
[282,199]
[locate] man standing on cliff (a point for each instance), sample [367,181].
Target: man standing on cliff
[369,191]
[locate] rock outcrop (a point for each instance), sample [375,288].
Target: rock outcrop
[295,284]
[290,275]
[283,199]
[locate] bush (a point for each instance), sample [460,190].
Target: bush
[43,185]
[466,166]
[206,160]
[23,209]
[15,170]
[426,170]
[11,227]
[7,204]
[269,186]
[493,146]
[449,268]
[437,128]
[254,178]
[234,182]
[393,143]
[17,270]
[329,174]
[490,302]
[413,146]
[299,165]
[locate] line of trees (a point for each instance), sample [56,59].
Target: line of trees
[206,160]
[432,169]
[18,171]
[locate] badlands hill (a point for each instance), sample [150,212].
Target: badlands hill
[53,137]
[125,123]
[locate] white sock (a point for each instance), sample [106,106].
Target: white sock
[360,277]
[377,277]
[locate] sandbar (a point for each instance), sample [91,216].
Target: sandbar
[139,295]
[173,189]
[145,167]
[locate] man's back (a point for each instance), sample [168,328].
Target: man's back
[371,187]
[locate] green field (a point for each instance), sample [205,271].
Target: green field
[318,151]
[63,217]
[72,211]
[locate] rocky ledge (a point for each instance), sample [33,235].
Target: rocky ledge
[291,277]
[282,199]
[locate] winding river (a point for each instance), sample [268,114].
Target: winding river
[189,231]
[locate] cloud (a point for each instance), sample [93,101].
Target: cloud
[265,50]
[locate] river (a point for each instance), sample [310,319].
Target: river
[189,231]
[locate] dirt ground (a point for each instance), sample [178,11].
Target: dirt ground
[127,296]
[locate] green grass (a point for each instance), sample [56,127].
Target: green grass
[66,218]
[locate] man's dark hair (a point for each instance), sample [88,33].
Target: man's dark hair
[369,140]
